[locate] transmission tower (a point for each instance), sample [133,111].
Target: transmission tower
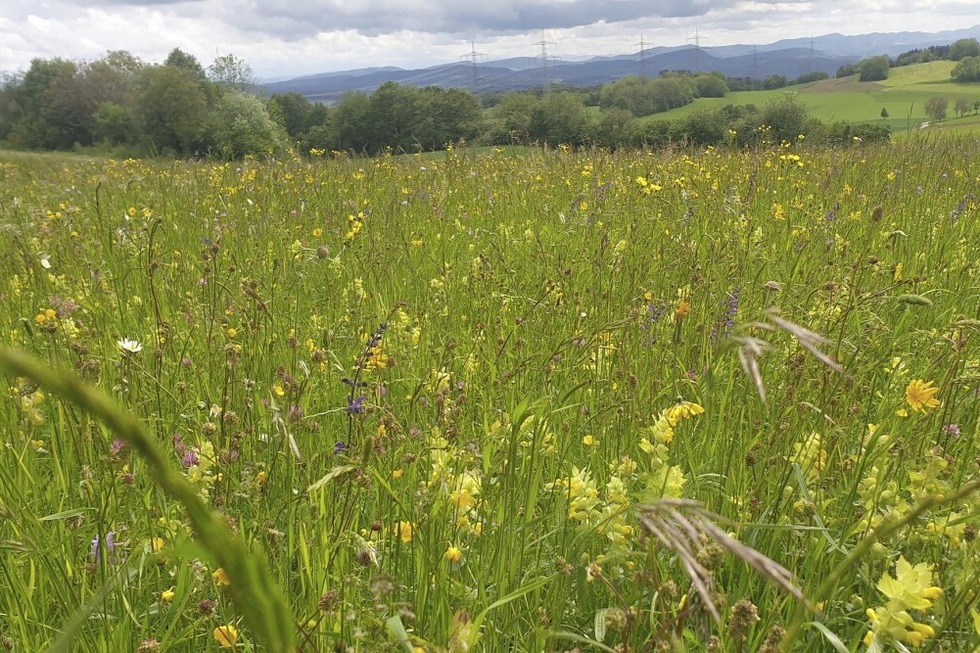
[545,59]
[696,40]
[474,58]
[643,55]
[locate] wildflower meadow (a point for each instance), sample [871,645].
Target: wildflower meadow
[497,400]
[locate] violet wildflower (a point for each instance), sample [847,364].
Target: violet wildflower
[190,458]
[107,544]
[355,406]
[339,448]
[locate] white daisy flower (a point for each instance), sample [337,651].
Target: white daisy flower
[129,347]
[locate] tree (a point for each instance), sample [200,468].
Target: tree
[297,114]
[935,108]
[180,59]
[815,76]
[705,127]
[964,48]
[962,106]
[38,123]
[242,126]
[873,69]
[710,85]
[173,106]
[966,70]
[884,112]
[559,118]
[642,97]
[350,122]
[614,128]
[445,116]
[511,118]
[774,81]
[231,72]
[847,70]
[786,117]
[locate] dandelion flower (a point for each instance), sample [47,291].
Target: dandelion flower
[226,636]
[921,395]
[129,347]
[167,596]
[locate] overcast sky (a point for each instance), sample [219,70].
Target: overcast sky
[293,37]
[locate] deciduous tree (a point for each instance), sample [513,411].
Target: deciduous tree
[873,69]
[935,108]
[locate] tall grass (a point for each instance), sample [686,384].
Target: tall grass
[454,402]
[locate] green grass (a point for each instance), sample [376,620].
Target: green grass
[904,94]
[470,400]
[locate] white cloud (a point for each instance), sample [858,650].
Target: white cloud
[279,37]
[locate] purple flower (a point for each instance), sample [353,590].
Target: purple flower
[953,430]
[339,448]
[355,405]
[190,458]
[108,544]
[118,445]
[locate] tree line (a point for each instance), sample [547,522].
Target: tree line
[178,108]
[966,52]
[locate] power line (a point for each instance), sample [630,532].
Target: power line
[643,55]
[696,39]
[545,58]
[475,58]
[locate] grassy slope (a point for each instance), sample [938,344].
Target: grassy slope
[903,94]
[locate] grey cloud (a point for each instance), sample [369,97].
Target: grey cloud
[375,17]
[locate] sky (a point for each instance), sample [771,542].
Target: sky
[285,38]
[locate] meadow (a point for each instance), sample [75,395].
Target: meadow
[548,401]
[904,95]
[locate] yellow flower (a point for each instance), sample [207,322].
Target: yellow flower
[683,308]
[167,596]
[226,636]
[232,332]
[405,530]
[220,577]
[453,554]
[156,544]
[589,440]
[921,395]
[683,410]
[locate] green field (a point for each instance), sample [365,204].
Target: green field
[507,400]
[903,94]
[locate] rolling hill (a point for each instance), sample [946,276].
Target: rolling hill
[789,57]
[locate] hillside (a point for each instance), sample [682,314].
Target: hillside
[789,57]
[903,95]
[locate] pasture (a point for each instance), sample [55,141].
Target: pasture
[543,401]
[904,95]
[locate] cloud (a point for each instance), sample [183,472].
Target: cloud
[305,36]
[374,17]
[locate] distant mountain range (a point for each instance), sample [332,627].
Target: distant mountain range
[789,57]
